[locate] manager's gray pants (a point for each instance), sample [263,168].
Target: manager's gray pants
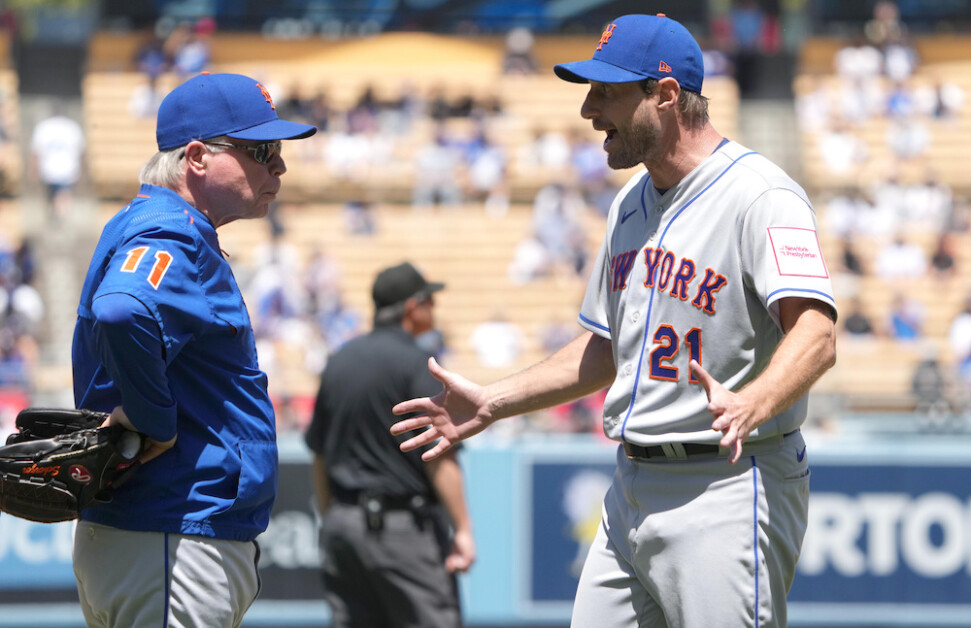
[130,579]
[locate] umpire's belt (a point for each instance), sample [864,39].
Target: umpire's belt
[686,451]
[388,502]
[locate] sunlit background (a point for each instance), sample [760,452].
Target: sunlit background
[446,140]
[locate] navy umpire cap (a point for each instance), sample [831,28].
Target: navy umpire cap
[399,283]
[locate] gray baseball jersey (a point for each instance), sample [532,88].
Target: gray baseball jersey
[697,273]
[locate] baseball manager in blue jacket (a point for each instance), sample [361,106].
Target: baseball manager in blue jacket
[164,343]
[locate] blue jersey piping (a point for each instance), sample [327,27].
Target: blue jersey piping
[810,291]
[755,535]
[594,323]
[650,301]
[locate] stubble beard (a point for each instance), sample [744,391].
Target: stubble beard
[640,140]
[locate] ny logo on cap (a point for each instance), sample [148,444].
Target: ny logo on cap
[266,95]
[605,36]
[664,67]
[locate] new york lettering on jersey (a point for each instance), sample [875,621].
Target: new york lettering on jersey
[660,265]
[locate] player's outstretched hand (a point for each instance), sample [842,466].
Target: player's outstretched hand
[454,414]
[733,418]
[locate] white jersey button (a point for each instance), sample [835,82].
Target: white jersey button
[635,316]
[628,369]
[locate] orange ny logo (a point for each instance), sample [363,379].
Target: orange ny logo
[266,95]
[605,36]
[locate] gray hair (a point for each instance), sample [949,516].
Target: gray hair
[390,314]
[692,105]
[166,167]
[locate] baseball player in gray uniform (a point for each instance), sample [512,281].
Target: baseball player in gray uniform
[709,314]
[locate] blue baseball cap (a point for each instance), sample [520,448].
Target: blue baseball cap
[636,47]
[211,105]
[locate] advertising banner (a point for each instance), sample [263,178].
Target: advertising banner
[888,543]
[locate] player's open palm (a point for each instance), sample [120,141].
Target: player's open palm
[733,417]
[454,414]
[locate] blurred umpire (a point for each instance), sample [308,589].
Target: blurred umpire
[390,555]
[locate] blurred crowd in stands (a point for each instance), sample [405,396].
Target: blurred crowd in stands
[57,146]
[176,46]
[298,303]
[876,79]
[902,231]
[459,163]
[21,313]
[300,317]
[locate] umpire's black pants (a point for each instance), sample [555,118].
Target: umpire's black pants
[394,577]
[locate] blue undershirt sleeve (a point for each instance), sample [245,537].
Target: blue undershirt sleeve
[130,347]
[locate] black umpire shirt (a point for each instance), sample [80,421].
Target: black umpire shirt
[352,415]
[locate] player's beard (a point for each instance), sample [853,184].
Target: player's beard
[638,142]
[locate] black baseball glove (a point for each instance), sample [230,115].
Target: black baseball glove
[60,462]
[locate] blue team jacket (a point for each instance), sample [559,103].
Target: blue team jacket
[163,331]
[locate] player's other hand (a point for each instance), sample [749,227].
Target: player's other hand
[733,418]
[454,414]
[151,449]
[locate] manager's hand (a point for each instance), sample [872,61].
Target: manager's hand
[152,448]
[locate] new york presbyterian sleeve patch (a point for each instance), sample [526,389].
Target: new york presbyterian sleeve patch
[797,252]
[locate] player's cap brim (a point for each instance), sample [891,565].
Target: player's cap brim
[274,130]
[595,70]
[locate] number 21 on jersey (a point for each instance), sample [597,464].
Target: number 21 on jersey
[667,344]
[162,261]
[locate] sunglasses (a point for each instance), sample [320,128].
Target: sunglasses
[261,153]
